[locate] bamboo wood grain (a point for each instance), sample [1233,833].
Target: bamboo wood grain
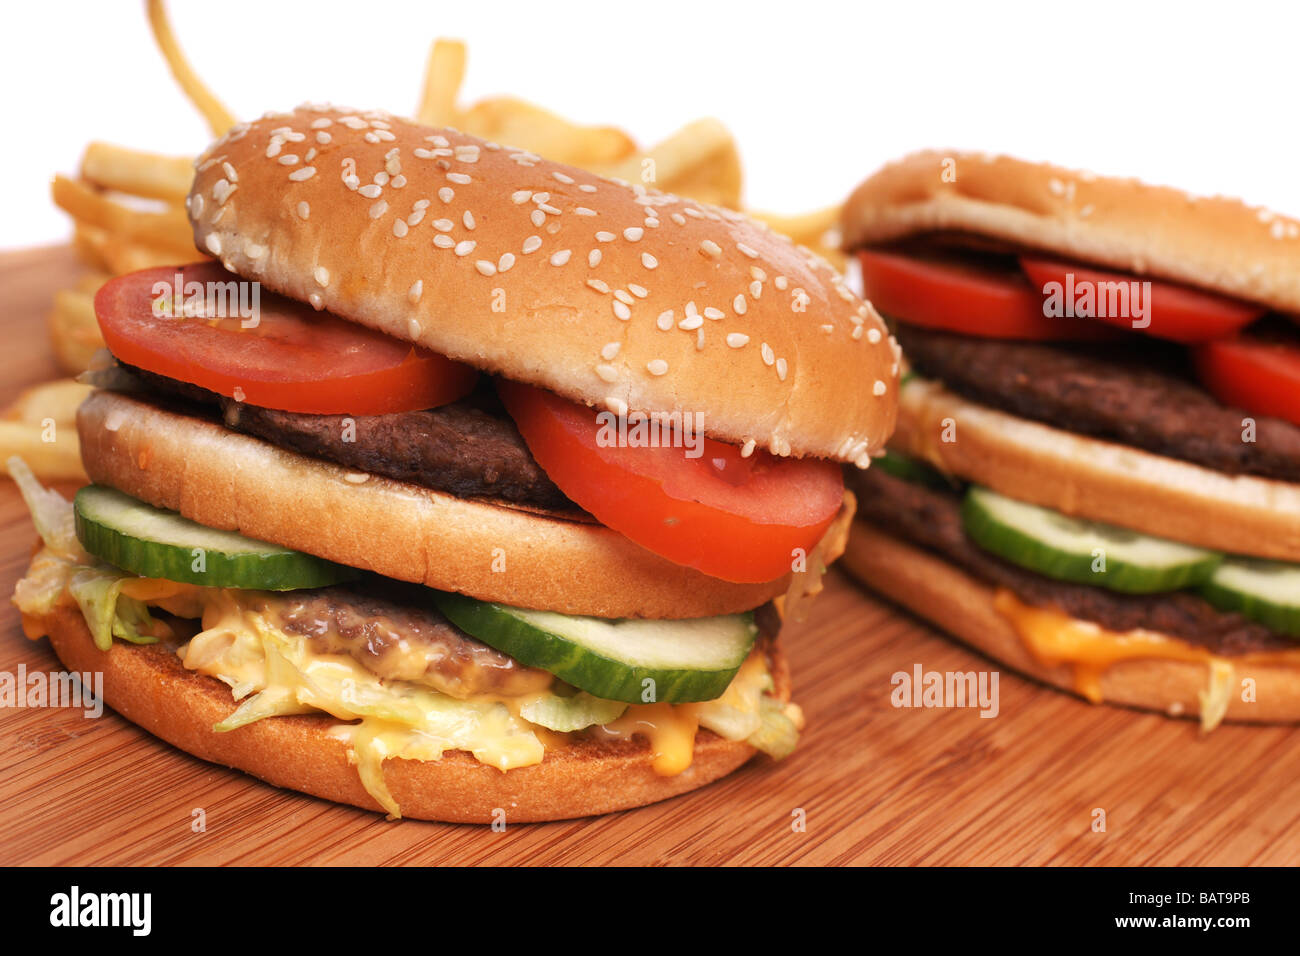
[877,784]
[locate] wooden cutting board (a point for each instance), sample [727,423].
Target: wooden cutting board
[872,783]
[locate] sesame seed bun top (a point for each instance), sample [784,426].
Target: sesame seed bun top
[607,293]
[1218,244]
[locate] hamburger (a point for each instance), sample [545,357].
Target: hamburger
[1096,474]
[458,483]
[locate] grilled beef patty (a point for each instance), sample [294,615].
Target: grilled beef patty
[931,519]
[1107,392]
[468,448]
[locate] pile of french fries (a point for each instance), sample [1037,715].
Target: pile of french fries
[128,206]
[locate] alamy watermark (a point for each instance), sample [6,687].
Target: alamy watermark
[231,299]
[1085,299]
[57,689]
[661,430]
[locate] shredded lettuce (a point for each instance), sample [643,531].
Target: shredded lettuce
[51,513]
[777,735]
[567,714]
[108,613]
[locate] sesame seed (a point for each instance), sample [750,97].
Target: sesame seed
[378,209]
[400,228]
[484,267]
[710,248]
[616,405]
[657,367]
[414,293]
[460,179]
[540,198]
[739,305]
[371,191]
[781,368]
[532,244]
[304,210]
[756,289]
[665,320]
[273,150]
[467,154]
[195,204]
[443,241]
[649,261]
[446,194]
[699,340]
[468,219]
[567,180]
[230,172]
[322,276]
[381,178]
[605,237]
[879,388]
[321,122]
[254,251]
[324,138]
[781,282]
[465,247]
[593,258]
[213,242]
[873,336]
[749,251]
[769,356]
[607,373]
[633,233]
[621,310]
[538,218]
[288,159]
[316,301]
[505,262]
[587,188]
[737,340]
[520,196]
[691,322]
[599,285]
[856,333]
[561,258]
[610,350]
[747,449]
[651,222]
[416,217]
[678,218]
[300,175]
[623,297]
[413,327]
[584,211]
[444,225]
[711,313]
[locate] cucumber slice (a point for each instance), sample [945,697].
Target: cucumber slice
[1264,591]
[914,470]
[627,660]
[1085,552]
[154,543]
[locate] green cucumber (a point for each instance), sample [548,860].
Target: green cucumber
[1264,591]
[153,543]
[1085,552]
[635,661]
[913,470]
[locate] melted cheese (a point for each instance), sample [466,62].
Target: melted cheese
[1054,638]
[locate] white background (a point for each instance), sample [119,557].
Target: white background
[818,94]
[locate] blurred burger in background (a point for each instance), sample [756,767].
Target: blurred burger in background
[1096,474]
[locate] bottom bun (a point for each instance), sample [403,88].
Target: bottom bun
[963,606]
[148,685]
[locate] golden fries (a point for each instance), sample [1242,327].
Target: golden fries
[170,227]
[74,331]
[443,74]
[218,117]
[819,231]
[139,173]
[40,427]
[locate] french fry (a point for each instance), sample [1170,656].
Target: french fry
[134,171]
[74,330]
[699,160]
[218,117]
[443,74]
[171,227]
[57,401]
[817,230]
[513,121]
[59,458]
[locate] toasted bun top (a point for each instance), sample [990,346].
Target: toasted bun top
[604,292]
[1218,244]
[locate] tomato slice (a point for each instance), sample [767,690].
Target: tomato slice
[957,296]
[1255,374]
[294,358]
[1174,312]
[734,518]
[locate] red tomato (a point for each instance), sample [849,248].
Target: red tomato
[1255,374]
[734,518]
[1174,312]
[294,358]
[961,297]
